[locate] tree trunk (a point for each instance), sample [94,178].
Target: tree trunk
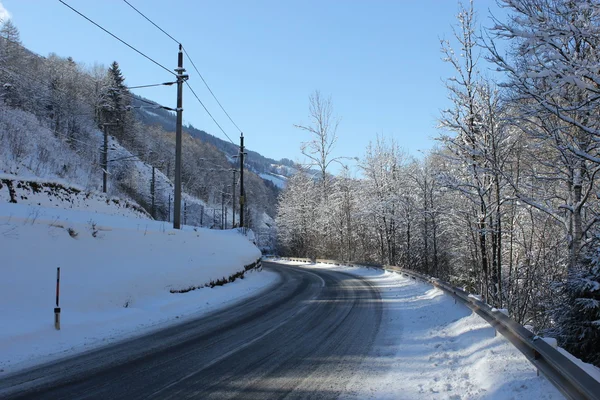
[484,257]
[577,226]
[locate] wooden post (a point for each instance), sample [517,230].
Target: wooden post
[57,308]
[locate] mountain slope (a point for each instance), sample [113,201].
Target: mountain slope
[254,161]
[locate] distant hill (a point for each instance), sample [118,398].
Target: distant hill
[254,161]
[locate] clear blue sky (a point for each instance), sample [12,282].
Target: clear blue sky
[380,61]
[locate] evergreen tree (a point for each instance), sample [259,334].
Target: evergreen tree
[12,40]
[10,52]
[116,101]
[578,316]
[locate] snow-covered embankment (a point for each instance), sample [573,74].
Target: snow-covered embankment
[118,273]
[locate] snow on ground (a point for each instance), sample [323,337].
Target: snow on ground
[59,194]
[591,369]
[116,277]
[279,180]
[429,347]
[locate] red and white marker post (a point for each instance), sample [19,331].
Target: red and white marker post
[57,308]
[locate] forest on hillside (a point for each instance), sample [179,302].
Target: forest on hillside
[507,204]
[53,111]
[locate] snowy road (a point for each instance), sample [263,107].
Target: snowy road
[321,332]
[307,337]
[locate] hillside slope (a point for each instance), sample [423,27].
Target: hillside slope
[52,115]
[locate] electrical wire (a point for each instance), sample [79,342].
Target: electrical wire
[208,112]
[125,93]
[191,61]
[210,90]
[31,78]
[152,103]
[149,20]
[119,39]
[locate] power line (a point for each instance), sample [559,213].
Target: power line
[125,91]
[208,112]
[149,20]
[209,89]
[119,39]
[31,78]
[92,80]
[152,103]
[191,61]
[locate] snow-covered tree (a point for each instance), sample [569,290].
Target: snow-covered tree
[578,313]
[297,222]
[554,81]
[472,127]
[323,130]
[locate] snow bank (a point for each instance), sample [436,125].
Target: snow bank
[114,269]
[59,194]
[429,347]
[592,370]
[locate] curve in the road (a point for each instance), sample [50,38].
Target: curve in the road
[305,337]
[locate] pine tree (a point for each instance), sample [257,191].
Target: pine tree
[12,40]
[115,105]
[10,51]
[578,316]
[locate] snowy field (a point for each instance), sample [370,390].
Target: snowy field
[431,348]
[278,180]
[116,276]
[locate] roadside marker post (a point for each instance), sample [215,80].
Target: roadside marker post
[57,308]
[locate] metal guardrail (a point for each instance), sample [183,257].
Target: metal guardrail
[568,377]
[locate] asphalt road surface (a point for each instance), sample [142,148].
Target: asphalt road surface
[307,337]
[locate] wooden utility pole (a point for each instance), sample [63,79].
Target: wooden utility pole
[104,164]
[153,192]
[222,210]
[185,212]
[105,159]
[169,217]
[181,78]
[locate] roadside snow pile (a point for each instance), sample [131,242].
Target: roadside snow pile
[592,370]
[429,347]
[115,272]
[49,193]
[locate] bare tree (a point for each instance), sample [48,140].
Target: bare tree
[323,128]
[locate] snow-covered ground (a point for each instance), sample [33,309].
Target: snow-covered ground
[431,348]
[116,276]
[58,194]
[279,180]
